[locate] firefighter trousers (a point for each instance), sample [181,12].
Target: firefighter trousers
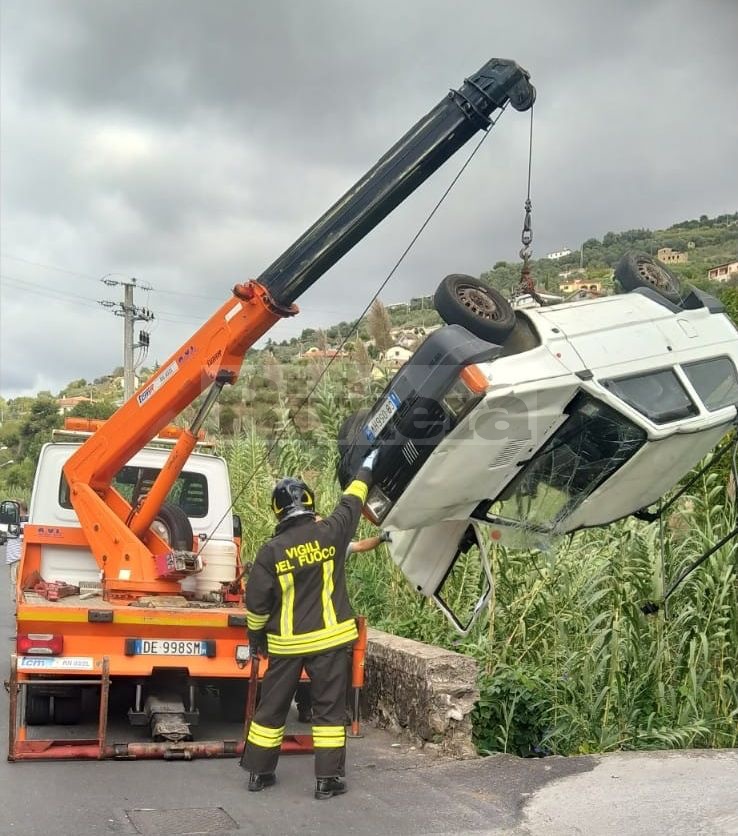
[328,673]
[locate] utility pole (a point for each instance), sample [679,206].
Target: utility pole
[131,314]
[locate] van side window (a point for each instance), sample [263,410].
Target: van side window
[658,395]
[189,492]
[715,381]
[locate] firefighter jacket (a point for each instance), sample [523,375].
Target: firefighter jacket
[296,589]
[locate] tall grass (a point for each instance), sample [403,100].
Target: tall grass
[568,662]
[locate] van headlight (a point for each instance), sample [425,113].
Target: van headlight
[377,505]
[466,391]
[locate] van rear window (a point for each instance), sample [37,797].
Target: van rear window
[189,492]
[715,381]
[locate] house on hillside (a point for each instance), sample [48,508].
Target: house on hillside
[315,353]
[408,337]
[723,272]
[669,256]
[66,405]
[396,356]
[558,254]
[574,285]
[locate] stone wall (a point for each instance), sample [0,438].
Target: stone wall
[423,691]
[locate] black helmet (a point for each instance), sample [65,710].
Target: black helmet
[291,498]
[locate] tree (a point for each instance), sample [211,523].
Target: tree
[93,409]
[35,430]
[380,325]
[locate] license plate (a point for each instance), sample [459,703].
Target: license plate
[170,647]
[382,416]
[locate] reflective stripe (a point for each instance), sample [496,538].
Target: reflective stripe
[357,488]
[315,641]
[329,737]
[256,622]
[286,624]
[264,736]
[329,611]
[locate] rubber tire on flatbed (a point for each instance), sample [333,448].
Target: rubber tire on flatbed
[177,526]
[38,708]
[637,270]
[468,301]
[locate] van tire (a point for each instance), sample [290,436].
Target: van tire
[177,526]
[638,270]
[468,301]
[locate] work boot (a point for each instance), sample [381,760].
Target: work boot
[327,787]
[304,715]
[260,781]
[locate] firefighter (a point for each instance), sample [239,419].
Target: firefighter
[299,613]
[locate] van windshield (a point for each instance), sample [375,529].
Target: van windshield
[592,443]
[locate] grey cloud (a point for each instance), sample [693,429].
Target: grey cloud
[189,143]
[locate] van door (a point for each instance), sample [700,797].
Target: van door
[449,563]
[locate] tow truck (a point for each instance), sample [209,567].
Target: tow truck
[110,585]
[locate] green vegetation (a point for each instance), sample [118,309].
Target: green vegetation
[569,663]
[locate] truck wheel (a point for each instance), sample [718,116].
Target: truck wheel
[38,708]
[233,701]
[464,300]
[68,710]
[173,525]
[635,270]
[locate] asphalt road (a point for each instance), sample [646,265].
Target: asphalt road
[394,789]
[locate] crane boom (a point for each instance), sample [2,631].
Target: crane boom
[119,535]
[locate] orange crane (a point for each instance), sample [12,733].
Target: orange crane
[78,637]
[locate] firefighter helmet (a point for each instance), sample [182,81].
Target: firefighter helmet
[291,498]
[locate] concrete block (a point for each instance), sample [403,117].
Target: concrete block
[424,691]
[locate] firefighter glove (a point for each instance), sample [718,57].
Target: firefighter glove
[370,460]
[258,642]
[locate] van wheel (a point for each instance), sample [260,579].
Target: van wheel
[38,708]
[465,300]
[635,270]
[173,525]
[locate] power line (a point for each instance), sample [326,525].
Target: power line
[98,278]
[40,290]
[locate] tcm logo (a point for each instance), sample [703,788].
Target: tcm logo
[186,354]
[146,394]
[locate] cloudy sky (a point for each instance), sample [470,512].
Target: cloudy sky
[187,143]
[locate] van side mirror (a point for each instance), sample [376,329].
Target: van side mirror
[237,526]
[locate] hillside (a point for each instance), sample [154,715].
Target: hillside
[288,380]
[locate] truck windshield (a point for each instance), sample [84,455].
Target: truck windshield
[587,449]
[189,492]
